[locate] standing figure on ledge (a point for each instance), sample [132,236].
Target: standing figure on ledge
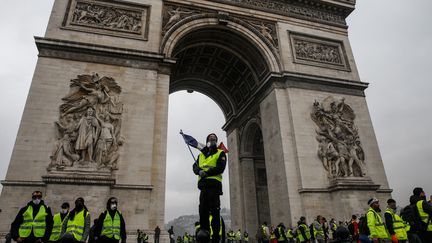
[88,130]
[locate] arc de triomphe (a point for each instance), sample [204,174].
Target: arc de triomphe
[95,122]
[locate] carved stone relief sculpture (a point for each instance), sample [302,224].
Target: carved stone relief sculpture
[89,125]
[104,17]
[339,148]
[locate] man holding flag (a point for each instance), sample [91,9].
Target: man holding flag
[209,167]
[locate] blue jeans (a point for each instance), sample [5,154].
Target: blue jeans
[364,239]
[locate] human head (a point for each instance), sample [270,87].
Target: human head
[391,203]
[211,140]
[36,197]
[373,203]
[79,203]
[302,219]
[90,111]
[354,217]
[418,191]
[112,203]
[65,207]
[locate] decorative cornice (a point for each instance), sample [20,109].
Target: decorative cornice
[78,180]
[326,12]
[22,183]
[78,51]
[132,187]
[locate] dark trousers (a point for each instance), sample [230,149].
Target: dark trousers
[210,204]
[30,239]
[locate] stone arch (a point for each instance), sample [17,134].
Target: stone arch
[199,21]
[247,136]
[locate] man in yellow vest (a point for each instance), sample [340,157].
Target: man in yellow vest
[58,222]
[395,224]
[303,232]
[375,223]
[425,212]
[76,226]
[245,237]
[209,167]
[33,223]
[280,233]
[290,235]
[110,226]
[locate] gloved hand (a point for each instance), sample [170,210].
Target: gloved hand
[202,173]
[394,238]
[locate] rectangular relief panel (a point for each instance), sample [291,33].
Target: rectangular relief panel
[114,18]
[317,51]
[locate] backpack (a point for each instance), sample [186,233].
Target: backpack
[410,215]
[363,227]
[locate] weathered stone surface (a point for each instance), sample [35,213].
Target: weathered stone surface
[264,62]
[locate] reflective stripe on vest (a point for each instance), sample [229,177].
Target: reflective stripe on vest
[211,228]
[423,215]
[111,227]
[398,225]
[209,162]
[378,225]
[306,231]
[55,233]
[76,226]
[38,224]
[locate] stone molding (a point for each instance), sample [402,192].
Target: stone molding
[22,183]
[78,51]
[114,18]
[342,184]
[176,16]
[317,51]
[316,11]
[78,179]
[131,187]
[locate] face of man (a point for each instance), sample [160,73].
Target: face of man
[36,197]
[212,140]
[375,205]
[392,205]
[113,204]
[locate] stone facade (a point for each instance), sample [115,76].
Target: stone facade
[264,62]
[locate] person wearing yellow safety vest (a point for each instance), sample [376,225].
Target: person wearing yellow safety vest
[395,225]
[264,233]
[280,233]
[289,235]
[375,223]
[110,226]
[303,232]
[333,227]
[245,237]
[238,235]
[425,212]
[319,229]
[33,222]
[58,222]
[209,167]
[76,226]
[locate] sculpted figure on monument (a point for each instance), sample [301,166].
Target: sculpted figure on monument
[339,146]
[175,15]
[107,17]
[89,125]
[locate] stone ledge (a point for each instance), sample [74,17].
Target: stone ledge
[22,183]
[352,183]
[78,178]
[131,187]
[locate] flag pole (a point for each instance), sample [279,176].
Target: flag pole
[181,132]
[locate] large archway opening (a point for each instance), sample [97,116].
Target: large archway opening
[228,67]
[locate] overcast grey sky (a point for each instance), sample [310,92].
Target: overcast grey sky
[391,41]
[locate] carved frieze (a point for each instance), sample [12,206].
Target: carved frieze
[318,52]
[108,17]
[294,9]
[173,14]
[88,128]
[339,149]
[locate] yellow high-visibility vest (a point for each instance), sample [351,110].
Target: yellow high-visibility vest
[376,225]
[209,162]
[76,226]
[423,215]
[58,222]
[111,227]
[300,235]
[398,225]
[37,224]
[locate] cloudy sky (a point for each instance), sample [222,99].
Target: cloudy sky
[391,40]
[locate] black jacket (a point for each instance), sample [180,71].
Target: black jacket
[20,218]
[99,224]
[205,183]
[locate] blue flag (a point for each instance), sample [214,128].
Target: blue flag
[191,141]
